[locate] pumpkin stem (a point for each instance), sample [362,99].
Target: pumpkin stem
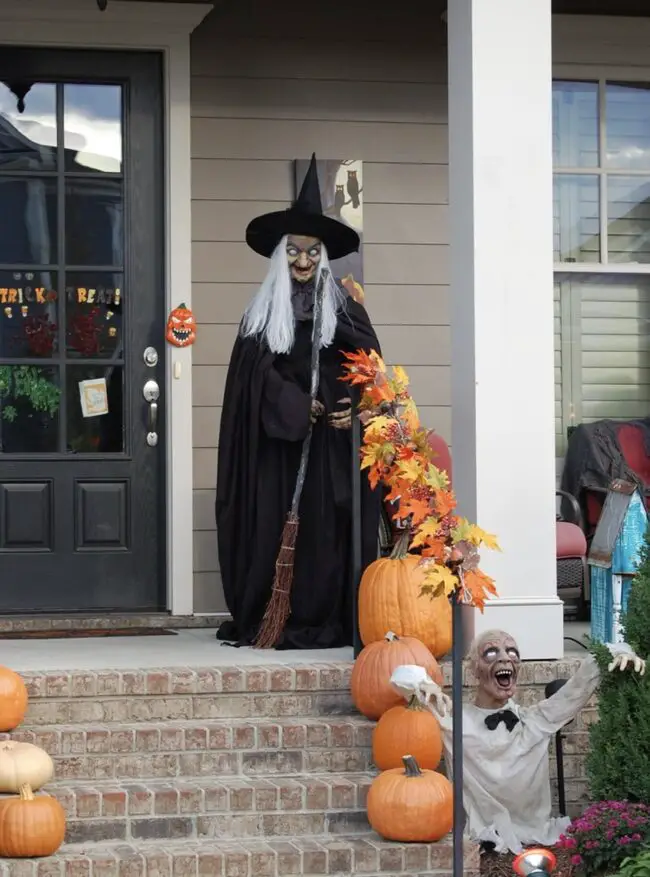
[391,637]
[411,767]
[414,703]
[182,306]
[401,547]
[26,793]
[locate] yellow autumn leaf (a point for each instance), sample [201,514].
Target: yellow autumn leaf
[377,427]
[428,529]
[410,416]
[466,532]
[410,470]
[436,478]
[439,580]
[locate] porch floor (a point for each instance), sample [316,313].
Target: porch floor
[189,648]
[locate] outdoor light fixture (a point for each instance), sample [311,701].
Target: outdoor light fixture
[536,862]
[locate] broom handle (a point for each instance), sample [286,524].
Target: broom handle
[315,378]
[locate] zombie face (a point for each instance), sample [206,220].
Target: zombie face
[303,255]
[496,664]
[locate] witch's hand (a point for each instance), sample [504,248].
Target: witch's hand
[342,419]
[317,408]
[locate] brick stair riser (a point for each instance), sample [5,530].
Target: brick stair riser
[122,752]
[272,858]
[170,708]
[160,800]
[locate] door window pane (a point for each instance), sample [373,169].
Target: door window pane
[29,409]
[575,124]
[28,314]
[94,222]
[95,409]
[627,125]
[27,134]
[628,218]
[576,223]
[94,308]
[93,127]
[28,221]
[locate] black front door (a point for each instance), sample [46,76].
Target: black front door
[82,496]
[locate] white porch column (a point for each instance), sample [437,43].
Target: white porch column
[502,305]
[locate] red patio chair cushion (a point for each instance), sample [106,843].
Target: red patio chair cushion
[570,540]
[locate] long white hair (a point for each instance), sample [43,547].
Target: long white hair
[270,314]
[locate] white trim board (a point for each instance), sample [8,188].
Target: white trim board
[165,27]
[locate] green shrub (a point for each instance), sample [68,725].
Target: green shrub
[636,866]
[618,763]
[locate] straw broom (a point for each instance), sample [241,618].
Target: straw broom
[279,606]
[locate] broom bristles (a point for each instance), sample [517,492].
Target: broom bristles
[279,606]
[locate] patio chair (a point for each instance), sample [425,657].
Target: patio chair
[571,558]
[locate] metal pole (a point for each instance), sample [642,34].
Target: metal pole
[457,731]
[356,553]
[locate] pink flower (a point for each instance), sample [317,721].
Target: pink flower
[576,860]
[569,843]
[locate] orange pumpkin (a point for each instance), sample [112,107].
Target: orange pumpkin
[390,598]
[372,692]
[411,805]
[13,699]
[407,728]
[30,826]
[181,327]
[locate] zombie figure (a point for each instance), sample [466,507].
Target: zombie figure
[267,410]
[506,782]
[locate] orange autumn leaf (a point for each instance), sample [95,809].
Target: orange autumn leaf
[398,488]
[417,508]
[362,367]
[445,502]
[479,587]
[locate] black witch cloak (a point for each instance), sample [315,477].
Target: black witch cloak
[265,417]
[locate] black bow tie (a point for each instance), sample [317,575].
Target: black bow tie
[508,718]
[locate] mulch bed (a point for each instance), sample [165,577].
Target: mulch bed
[500,864]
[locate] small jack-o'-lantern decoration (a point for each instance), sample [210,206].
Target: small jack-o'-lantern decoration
[181,327]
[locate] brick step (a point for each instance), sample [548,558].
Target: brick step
[200,748]
[308,857]
[168,695]
[222,807]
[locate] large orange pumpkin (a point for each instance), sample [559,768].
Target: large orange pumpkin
[13,699]
[372,692]
[390,598]
[407,728]
[30,826]
[411,805]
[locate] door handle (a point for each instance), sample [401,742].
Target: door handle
[151,393]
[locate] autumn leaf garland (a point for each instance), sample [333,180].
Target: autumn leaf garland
[396,453]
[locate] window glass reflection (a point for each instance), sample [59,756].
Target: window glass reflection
[576,224]
[93,128]
[627,119]
[628,218]
[27,126]
[95,409]
[29,409]
[94,308]
[29,303]
[28,221]
[94,221]
[575,124]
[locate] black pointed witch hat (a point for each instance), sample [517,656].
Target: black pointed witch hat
[304,217]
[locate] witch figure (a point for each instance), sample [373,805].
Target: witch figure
[268,411]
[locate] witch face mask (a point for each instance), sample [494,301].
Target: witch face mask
[303,255]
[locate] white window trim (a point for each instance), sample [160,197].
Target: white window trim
[164,27]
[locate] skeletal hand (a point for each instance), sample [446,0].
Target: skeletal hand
[622,661]
[442,701]
[342,419]
[317,408]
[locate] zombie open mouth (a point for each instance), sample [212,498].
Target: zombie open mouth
[303,272]
[504,678]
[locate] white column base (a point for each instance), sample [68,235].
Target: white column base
[536,623]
